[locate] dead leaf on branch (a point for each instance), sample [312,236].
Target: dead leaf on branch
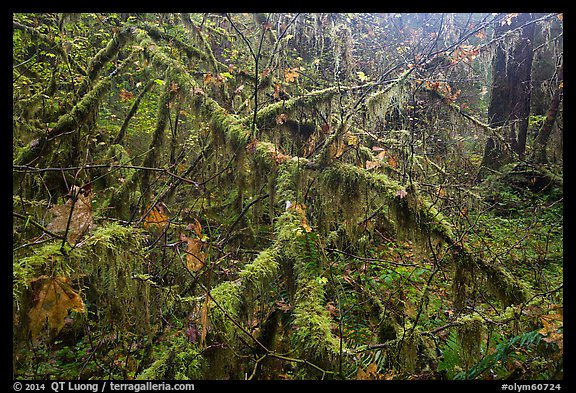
[300,210]
[195,256]
[156,218]
[52,299]
[80,204]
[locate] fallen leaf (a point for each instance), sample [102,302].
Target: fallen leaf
[126,95]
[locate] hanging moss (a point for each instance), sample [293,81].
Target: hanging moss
[174,359]
[266,117]
[122,196]
[291,178]
[229,296]
[470,331]
[311,334]
[116,255]
[508,289]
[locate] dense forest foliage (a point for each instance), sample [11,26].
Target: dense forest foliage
[287,196]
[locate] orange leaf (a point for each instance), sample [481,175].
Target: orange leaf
[290,74]
[156,218]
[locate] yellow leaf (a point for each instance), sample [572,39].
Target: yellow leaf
[336,150]
[52,299]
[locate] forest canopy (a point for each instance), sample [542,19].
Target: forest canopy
[287,196]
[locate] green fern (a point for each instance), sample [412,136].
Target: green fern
[501,354]
[450,362]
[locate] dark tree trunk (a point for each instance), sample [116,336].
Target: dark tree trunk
[541,141]
[510,100]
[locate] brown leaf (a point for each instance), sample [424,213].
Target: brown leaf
[371,373]
[80,204]
[251,147]
[126,95]
[195,257]
[281,118]
[52,299]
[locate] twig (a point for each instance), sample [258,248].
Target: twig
[244,211]
[37,225]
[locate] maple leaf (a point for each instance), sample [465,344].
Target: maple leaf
[52,299]
[156,218]
[195,257]
[371,373]
[174,87]
[81,221]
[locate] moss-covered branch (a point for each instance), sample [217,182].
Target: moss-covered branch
[67,123]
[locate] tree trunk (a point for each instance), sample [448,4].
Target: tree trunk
[541,141]
[510,101]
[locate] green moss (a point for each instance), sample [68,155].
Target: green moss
[266,117]
[115,256]
[291,178]
[229,296]
[508,289]
[261,271]
[470,330]
[45,260]
[311,334]
[174,359]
